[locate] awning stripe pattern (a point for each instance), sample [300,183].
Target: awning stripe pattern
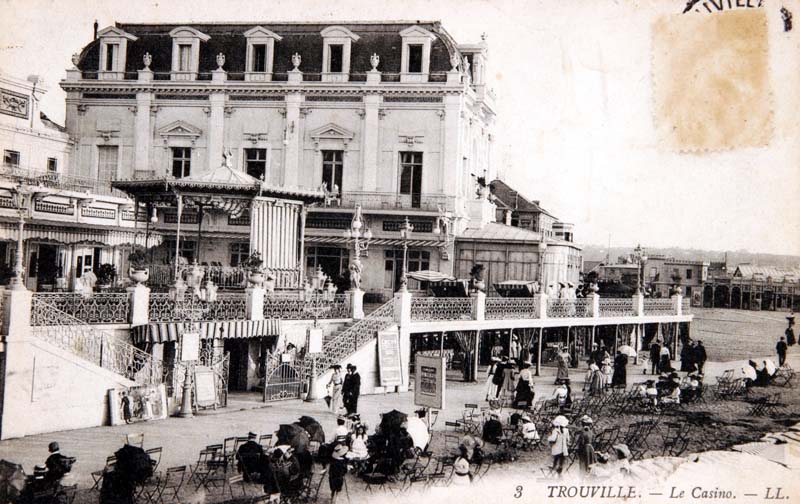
[395,242]
[110,237]
[161,332]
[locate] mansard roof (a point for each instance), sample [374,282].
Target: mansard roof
[511,199]
[383,38]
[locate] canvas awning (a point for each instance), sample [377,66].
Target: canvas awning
[160,332]
[391,242]
[429,276]
[67,235]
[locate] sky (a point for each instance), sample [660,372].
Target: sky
[575,127]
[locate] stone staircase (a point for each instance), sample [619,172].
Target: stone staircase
[341,345]
[94,345]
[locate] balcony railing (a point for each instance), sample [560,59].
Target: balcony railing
[57,180]
[164,307]
[655,306]
[99,308]
[433,308]
[511,308]
[380,200]
[617,307]
[569,308]
[224,277]
[291,306]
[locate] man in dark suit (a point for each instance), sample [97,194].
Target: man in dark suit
[249,457]
[351,389]
[655,355]
[57,464]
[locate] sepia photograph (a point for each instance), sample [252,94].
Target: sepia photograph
[454,251]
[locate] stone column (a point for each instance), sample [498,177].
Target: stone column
[451,177]
[292,140]
[143,132]
[140,304]
[356,303]
[255,303]
[479,306]
[370,145]
[216,130]
[17,371]
[402,317]
[541,306]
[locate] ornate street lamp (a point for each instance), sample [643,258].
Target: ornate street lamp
[361,239]
[405,232]
[641,258]
[24,196]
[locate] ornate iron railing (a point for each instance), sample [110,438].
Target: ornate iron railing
[567,308]
[98,347]
[163,307]
[291,306]
[347,342]
[175,376]
[100,308]
[511,308]
[224,277]
[436,308]
[618,307]
[656,306]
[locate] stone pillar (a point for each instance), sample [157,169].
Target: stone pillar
[16,382]
[216,130]
[292,140]
[373,77]
[541,306]
[356,303]
[453,78]
[479,306]
[140,304]
[677,304]
[451,177]
[402,308]
[638,304]
[255,303]
[143,134]
[295,76]
[370,145]
[594,300]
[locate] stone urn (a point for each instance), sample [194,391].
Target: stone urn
[139,276]
[256,278]
[194,276]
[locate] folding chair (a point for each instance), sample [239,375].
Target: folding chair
[784,376]
[236,479]
[676,438]
[239,442]
[66,494]
[135,439]
[168,486]
[97,476]
[265,440]
[229,448]
[434,415]
[202,467]
[155,455]
[379,476]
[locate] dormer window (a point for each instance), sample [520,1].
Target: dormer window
[186,52]
[113,49]
[337,41]
[260,52]
[416,55]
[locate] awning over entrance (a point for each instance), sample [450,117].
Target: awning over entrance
[99,236]
[160,332]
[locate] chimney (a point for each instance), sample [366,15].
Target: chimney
[95,30]
[508,218]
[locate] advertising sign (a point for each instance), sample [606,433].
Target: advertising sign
[205,389]
[314,340]
[190,347]
[389,364]
[429,383]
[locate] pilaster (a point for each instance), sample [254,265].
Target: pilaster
[479,306]
[143,131]
[370,145]
[140,304]
[451,177]
[677,304]
[292,140]
[541,306]
[255,303]
[594,300]
[216,129]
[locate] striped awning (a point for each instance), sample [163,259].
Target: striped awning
[76,236]
[391,242]
[160,332]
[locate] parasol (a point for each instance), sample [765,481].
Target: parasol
[419,432]
[560,421]
[313,428]
[294,436]
[133,464]
[771,368]
[392,421]
[749,372]
[627,350]
[12,481]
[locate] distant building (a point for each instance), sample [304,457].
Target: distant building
[751,287]
[514,209]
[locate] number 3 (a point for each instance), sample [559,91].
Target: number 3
[518,493]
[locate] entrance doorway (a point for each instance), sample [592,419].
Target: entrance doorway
[47,267]
[239,350]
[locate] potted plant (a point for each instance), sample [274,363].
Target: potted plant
[137,270]
[253,264]
[106,273]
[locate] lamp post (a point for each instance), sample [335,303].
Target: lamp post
[641,258]
[356,234]
[405,232]
[23,195]
[542,247]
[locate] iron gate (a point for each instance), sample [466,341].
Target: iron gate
[284,379]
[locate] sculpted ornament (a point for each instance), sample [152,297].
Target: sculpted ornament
[76,58]
[220,61]
[374,60]
[296,60]
[454,62]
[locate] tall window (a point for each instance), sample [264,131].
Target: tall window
[11,158]
[107,156]
[688,274]
[239,252]
[52,164]
[255,161]
[181,161]
[415,58]
[334,261]
[187,249]
[332,167]
[111,56]
[418,260]
[259,58]
[336,58]
[184,57]
[411,176]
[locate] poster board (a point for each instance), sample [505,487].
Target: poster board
[390,367]
[139,404]
[190,347]
[429,381]
[314,340]
[205,389]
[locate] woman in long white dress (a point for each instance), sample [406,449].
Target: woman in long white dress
[335,389]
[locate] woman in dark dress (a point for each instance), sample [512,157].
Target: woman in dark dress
[620,378]
[585,444]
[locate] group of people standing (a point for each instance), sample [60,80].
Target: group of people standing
[787,340]
[344,390]
[508,377]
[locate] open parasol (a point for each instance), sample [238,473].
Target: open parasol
[770,365]
[294,436]
[627,350]
[560,421]
[749,372]
[313,428]
[12,481]
[392,421]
